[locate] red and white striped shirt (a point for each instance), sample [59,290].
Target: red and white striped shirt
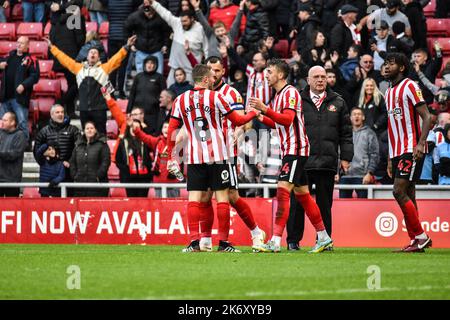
[293,138]
[403,120]
[257,86]
[234,99]
[201,111]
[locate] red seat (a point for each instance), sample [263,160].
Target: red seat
[6,47]
[32,30]
[118,192]
[47,28]
[91,26]
[438,27]
[47,88]
[17,12]
[104,30]
[85,13]
[45,69]
[112,130]
[7,31]
[45,104]
[430,8]
[64,84]
[113,172]
[123,104]
[33,111]
[39,49]
[105,44]
[282,48]
[31,192]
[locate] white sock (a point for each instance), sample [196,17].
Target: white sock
[323,235]
[422,236]
[255,232]
[276,240]
[206,240]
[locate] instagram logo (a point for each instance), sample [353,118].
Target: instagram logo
[386,224]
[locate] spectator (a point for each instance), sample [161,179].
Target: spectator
[33,10]
[442,157]
[92,41]
[441,93]
[371,102]
[256,27]
[118,12]
[98,10]
[152,35]
[13,143]
[70,40]
[90,161]
[21,72]
[330,14]
[349,65]
[390,14]
[334,82]
[161,174]
[379,45]
[428,175]
[216,33]
[184,28]
[344,33]
[226,11]
[58,132]
[181,85]
[363,71]
[282,18]
[403,43]
[413,10]
[442,9]
[240,83]
[145,91]
[365,156]
[51,169]
[306,29]
[166,99]
[319,52]
[429,67]
[4,5]
[91,76]
[330,138]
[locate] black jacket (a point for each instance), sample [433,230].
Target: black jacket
[63,134]
[147,87]
[68,40]
[340,39]
[417,20]
[376,115]
[305,32]
[329,131]
[152,34]
[90,162]
[27,75]
[12,148]
[256,28]
[118,12]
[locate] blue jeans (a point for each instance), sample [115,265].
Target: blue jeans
[2,15]
[36,9]
[21,114]
[349,193]
[140,57]
[97,16]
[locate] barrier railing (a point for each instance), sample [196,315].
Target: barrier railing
[435,191]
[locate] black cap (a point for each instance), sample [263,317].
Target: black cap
[305,7]
[347,8]
[393,3]
[382,25]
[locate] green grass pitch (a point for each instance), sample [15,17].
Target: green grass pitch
[163,272]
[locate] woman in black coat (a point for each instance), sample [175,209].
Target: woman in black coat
[68,33]
[90,161]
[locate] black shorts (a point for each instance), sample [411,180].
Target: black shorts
[404,167]
[292,170]
[201,177]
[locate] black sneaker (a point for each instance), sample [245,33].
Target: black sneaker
[292,246]
[225,246]
[194,246]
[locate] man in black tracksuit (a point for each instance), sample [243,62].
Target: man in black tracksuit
[329,131]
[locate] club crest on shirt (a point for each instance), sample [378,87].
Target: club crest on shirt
[419,94]
[292,101]
[239,99]
[332,108]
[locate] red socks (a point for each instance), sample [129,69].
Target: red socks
[193,215]
[206,219]
[282,215]
[244,211]
[411,219]
[311,210]
[223,216]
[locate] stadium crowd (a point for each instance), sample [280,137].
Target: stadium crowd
[144,60]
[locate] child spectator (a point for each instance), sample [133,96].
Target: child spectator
[181,85]
[51,169]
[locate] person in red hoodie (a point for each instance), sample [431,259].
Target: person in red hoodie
[225,11]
